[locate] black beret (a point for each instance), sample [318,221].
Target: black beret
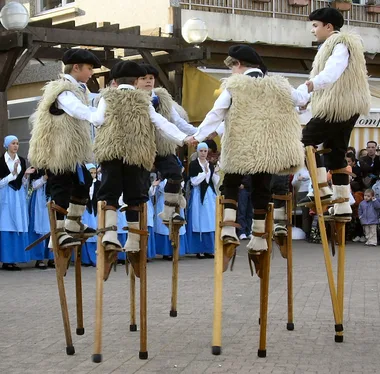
[81,56]
[328,15]
[245,53]
[114,69]
[125,69]
[151,70]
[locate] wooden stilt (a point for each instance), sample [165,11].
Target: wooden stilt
[218,281]
[289,259]
[100,261]
[61,258]
[78,289]
[132,302]
[310,157]
[174,238]
[341,235]
[143,354]
[264,284]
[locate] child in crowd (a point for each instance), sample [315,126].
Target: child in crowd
[369,210]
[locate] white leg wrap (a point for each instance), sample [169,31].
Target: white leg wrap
[279,214]
[61,235]
[229,215]
[169,211]
[111,236]
[338,193]
[257,243]
[133,242]
[322,178]
[74,210]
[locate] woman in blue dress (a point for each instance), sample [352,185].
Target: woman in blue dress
[163,243]
[13,206]
[39,220]
[204,179]
[89,218]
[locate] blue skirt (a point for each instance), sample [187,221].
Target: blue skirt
[164,246]
[151,243]
[12,247]
[198,242]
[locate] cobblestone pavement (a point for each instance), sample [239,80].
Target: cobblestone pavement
[32,339]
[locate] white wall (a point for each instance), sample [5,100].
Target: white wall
[278,31]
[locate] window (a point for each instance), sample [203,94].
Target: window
[45,5]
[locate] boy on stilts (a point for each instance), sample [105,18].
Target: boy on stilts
[166,161]
[61,142]
[340,93]
[125,148]
[261,138]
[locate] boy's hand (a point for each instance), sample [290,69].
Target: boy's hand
[310,86]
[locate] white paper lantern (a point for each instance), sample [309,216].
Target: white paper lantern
[194,31]
[14,16]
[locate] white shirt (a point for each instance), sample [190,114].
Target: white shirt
[91,192]
[218,113]
[185,127]
[38,183]
[169,130]
[336,64]
[11,164]
[69,103]
[301,185]
[195,181]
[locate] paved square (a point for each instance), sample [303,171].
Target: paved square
[32,338]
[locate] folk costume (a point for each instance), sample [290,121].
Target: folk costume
[262,137]
[201,211]
[61,144]
[340,94]
[166,161]
[125,148]
[39,224]
[90,219]
[162,241]
[13,209]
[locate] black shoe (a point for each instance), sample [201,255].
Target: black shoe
[11,267]
[51,264]
[168,258]
[201,256]
[40,265]
[208,255]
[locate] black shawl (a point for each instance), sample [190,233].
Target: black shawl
[4,172]
[194,169]
[92,205]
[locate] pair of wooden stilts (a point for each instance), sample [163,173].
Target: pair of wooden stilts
[105,261]
[262,262]
[262,266]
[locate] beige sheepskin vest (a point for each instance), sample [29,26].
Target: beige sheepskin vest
[59,143]
[127,132]
[262,128]
[350,94]
[165,147]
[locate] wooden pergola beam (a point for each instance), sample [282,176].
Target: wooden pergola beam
[53,36]
[9,40]
[53,53]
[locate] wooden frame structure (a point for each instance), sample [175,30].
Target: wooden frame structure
[42,40]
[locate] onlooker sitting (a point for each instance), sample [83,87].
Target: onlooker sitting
[369,210]
[373,161]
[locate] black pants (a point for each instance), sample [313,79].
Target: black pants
[279,186]
[66,188]
[130,180]
[333,135]
[244,213]
[170,170]
[260,194]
